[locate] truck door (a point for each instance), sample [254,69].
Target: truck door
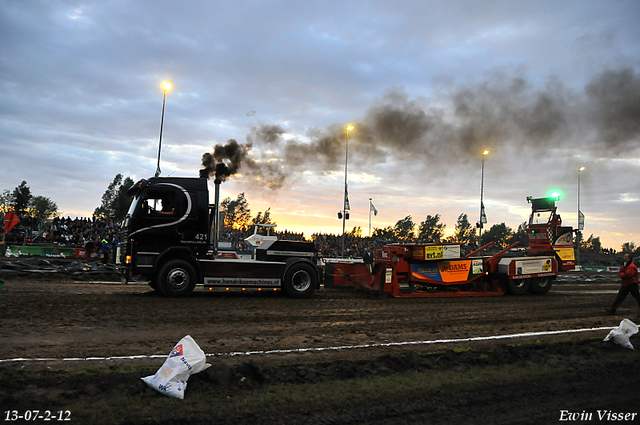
[161,213]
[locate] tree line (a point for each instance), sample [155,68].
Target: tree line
[236,215]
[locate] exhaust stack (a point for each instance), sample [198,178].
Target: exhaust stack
[216,219]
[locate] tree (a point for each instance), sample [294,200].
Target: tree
[115,202]
[464,232]
[520,235]
[262,218]
[629,247]
[430,230]
[355,233]
[499,234]
[20,198]
[594,244]
[385,234]
[404,229]
[43,208]
[5,201]
[237,214]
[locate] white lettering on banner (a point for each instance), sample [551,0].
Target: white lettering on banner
[229,281]
[290,253]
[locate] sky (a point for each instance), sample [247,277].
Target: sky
[545,86]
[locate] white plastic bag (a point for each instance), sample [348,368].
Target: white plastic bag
[621,334]
[185,359]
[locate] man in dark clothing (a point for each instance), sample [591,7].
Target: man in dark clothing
[629,275]
[106,250]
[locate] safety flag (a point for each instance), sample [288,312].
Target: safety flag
[346,199]
[483,216]
[10,220]
[373,209]
[580,220]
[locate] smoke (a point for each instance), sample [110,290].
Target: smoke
[227,160]
[504,112]
[224,161]
[614,99]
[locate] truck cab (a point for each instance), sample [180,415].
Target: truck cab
[169,230]
[166,212]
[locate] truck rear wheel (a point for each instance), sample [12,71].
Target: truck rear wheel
[177,278]
[540,285]
[300,281]
[518,286]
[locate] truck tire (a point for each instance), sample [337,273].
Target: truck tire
[518,286]
[177,278]
[300,281]
[540,285]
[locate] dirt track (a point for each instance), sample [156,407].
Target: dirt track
[57,320]
[66,319]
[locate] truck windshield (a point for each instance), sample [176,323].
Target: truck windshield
[542,217]
[132,208]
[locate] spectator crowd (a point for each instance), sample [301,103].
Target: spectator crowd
[100,237]
[92,234]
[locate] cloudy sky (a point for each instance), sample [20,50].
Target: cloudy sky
[546,86]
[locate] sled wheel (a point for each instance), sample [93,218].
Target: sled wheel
[300,281]
[540,285]
[177,279]
[518,286]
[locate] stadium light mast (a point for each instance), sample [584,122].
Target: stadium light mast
[580,219]
[166,86]
[345,204]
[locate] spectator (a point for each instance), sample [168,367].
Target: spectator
[105,249]
[629,275]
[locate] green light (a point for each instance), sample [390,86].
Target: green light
[555,195]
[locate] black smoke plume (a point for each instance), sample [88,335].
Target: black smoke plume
[224,161]
[505,113]
[227,160]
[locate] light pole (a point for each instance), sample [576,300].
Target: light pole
[166,86]
[580,220]
[345,204]
[483,216]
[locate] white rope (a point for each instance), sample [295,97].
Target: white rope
[317,349]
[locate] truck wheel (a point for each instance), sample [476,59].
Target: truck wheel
[540,286]
[300,281]
[177,279]
[518,286]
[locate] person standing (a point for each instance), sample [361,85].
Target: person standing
[106,250]
[629,275]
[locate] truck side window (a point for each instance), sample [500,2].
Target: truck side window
[164,203]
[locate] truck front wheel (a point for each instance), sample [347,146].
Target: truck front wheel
[300,281]
[177,278]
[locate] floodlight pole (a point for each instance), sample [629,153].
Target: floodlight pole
[165,87]
[579,231]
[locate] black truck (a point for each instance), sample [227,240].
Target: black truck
[170,238]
